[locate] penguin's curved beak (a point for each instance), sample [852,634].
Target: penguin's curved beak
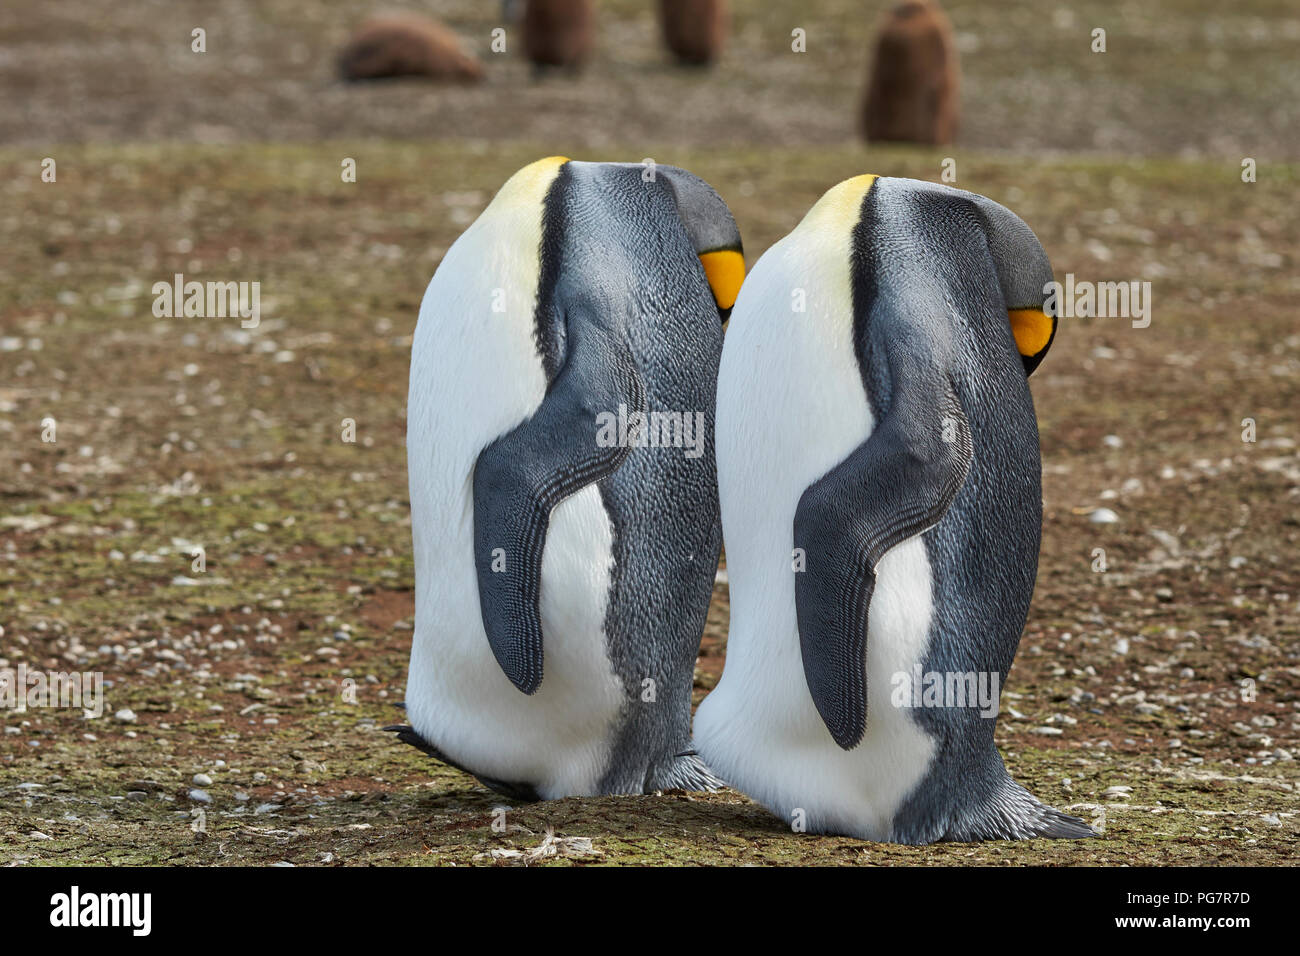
[725,270]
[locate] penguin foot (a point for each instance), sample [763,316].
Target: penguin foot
[522,792]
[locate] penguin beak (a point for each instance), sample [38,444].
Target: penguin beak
[725,270]
[1033,330]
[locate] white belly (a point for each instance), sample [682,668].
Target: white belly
[791,405]
[475,374]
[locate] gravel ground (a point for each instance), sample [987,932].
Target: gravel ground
[1157,689]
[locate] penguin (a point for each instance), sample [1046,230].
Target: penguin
[403,44]
[558,33]
[564,508]
[879,475]
[694,31]
[912,88]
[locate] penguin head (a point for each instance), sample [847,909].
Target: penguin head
[1025,275]
[712,231]
[680,198]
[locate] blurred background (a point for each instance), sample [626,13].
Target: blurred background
[1179,78]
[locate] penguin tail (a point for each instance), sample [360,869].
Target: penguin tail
[1013,813]
[683,771]
[1062,826]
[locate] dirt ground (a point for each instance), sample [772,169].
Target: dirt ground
[1159,698]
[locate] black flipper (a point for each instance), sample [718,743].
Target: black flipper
[896,484]
[522,792]
[521,476]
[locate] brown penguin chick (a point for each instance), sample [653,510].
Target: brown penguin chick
[404,44]
[912,92]
[694,30]
[558,32]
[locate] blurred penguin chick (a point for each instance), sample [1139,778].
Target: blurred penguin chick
[404,44]
[558,33]
[912,90]
[695,31]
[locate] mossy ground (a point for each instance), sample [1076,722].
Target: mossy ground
[1174,673]
[172,432]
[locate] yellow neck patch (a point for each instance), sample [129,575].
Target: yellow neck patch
[725,270]
[1032,329]
[840,207]
[527,188]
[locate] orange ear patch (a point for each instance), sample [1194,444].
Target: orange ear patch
[1032,329]
[725,270]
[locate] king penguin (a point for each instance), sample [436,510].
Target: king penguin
[879,474]
[564,505]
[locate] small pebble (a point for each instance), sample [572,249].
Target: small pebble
[200,796]
[202,780]
[125,716]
